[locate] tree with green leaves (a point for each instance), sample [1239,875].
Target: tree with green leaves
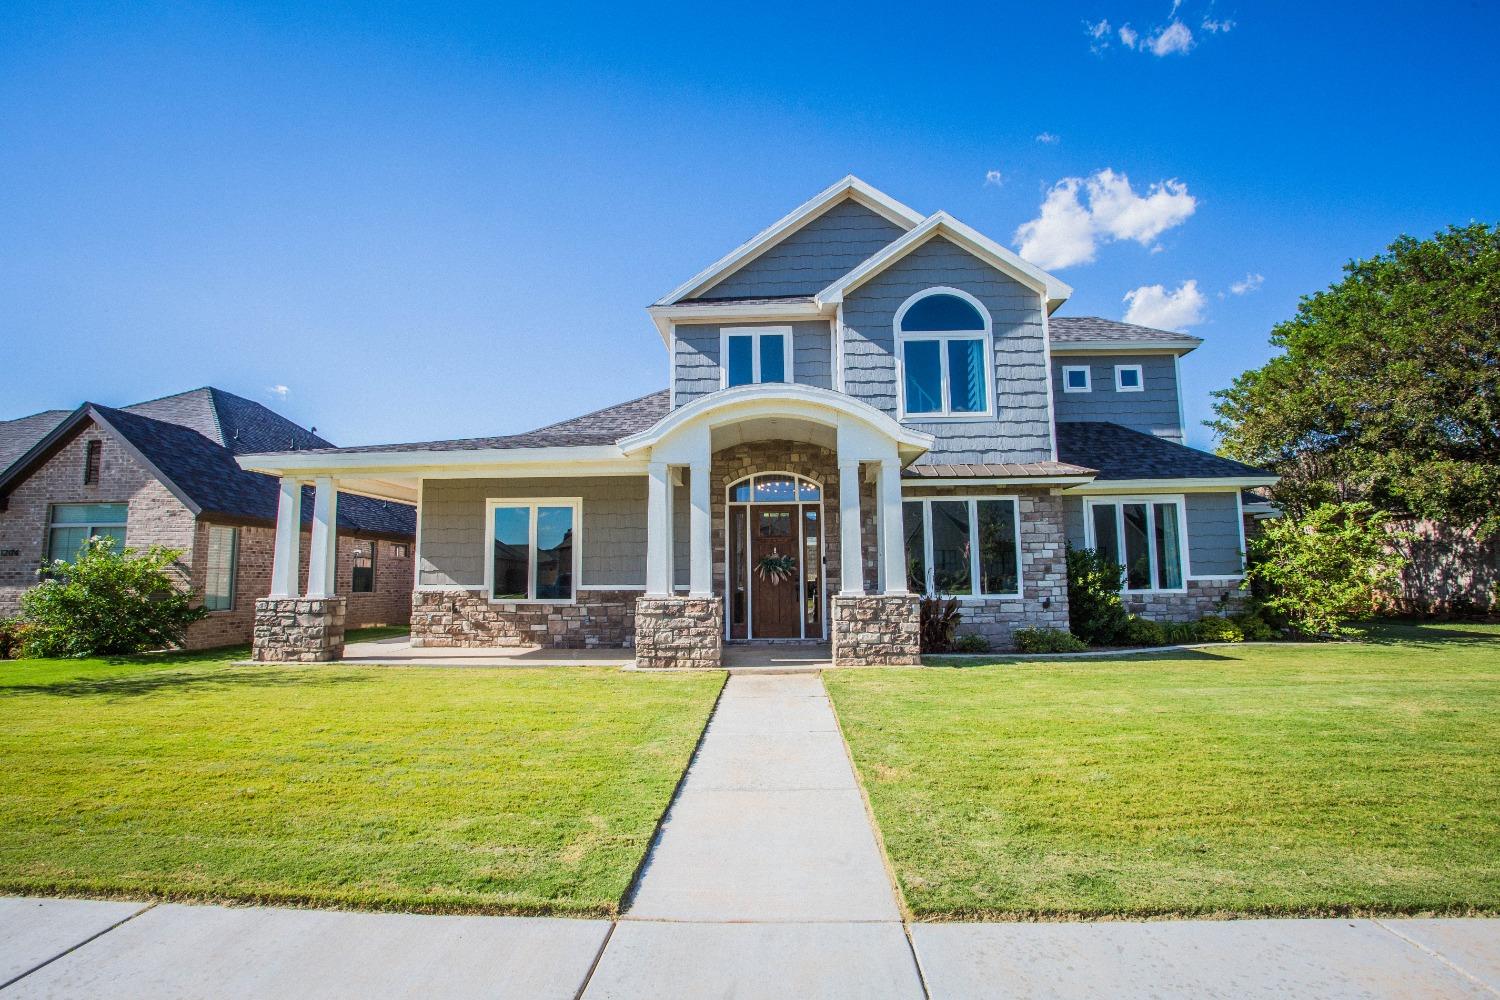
[1387,389]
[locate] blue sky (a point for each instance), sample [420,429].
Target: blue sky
[425,221]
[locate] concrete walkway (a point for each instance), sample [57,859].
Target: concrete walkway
[765,881]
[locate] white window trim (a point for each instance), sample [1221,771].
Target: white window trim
[1119,502]
[490,504]
[1088,378]
[234,568]
[985,337]
[755,333]
[1140,379]
[973,505]
[93,526]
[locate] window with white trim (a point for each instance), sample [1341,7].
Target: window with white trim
[1077,378]
[72,524]
[943,350]
[218,577]
[756,354]
[942,557]
[1144,536]
[532,551]
[1128,378]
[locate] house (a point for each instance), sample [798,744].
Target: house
[163,472]
[864,404]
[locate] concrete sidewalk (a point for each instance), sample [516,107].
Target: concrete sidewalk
[765,881]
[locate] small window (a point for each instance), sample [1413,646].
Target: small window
[363,577]
[72,524]
[757,354]
[943,345]
[1076,378]
[1128,378]
[93,455]
[398,550]
[533,553]
[218,580]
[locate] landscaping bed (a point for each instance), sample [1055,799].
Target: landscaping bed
[423,789]
[1301,779]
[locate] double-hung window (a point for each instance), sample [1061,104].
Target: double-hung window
[72,524]
[755,354]
[532,551]
[218,578]
[1144,536]
[943,343]
[963,546]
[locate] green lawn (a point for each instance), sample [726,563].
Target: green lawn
[432,789]
[1269,780]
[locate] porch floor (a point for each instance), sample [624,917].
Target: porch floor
[777,656]
[398,651]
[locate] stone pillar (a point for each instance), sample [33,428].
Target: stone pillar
[298,629]
[678,632]
[876,629]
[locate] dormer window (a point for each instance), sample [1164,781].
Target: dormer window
[754,354]
[943,353]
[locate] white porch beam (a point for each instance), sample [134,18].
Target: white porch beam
[322,563]
[286,557]
[658,530]
[892,542]
[700,535]
[851,569]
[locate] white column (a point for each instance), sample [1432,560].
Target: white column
[287,556]
[658,529]
[851,570]
[700,533]
[323,561]
[892,542]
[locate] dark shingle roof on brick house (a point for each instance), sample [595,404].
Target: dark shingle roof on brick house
[1121,453]
[242,425]
[20,435]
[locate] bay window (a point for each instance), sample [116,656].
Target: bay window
[532,551]
[1143,536]
[754,354]
[963,546]
[943,349]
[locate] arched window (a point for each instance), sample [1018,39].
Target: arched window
[943,345]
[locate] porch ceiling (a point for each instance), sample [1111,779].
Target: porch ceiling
[774,429]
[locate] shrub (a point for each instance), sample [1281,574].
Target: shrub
[940,620]
[1325,569]
[1048,640]
[971,643]
[1212,628]
[107,603]
[1095,612]
[1256,628]
[12,636]
[1179,633]
[1144,632]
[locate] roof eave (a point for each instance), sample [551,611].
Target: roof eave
[579,460]
[1182,484]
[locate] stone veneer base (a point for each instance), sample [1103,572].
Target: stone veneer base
[871,629]
[679,632]
[600,619]
[298,630]
[1202,597]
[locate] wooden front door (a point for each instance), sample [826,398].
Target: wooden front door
[775,600]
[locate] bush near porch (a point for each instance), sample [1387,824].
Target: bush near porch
[1278,779]
[423,789]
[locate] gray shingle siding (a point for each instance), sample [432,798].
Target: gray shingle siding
[813,257]
[696,369]
[1021,431]
[613,530]
[1154,410]
[1213,532]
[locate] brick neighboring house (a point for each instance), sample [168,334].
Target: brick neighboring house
[163,472]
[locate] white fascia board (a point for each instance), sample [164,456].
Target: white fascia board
[849,187]
[913,483]
[1054,290]
[589,460]
[1191,485]
[1176,347]
[750,312]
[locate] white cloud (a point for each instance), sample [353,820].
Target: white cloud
[1249,283]
[1128,36]
[1048,139]
[1066,232]
[993,177]
[1174,37]
[1217,27]
[1098,33]
[1153,305]
[1170,37]
[279,391]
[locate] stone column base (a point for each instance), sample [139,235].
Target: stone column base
[875,629]
[676,632]
[298,629]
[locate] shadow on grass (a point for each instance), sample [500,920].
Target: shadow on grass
[1392,632]
[1070,659]
[136,685]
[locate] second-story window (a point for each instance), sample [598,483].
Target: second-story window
[943,346]
[756,354]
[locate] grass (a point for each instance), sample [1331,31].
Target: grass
[1295,780]
[421,789]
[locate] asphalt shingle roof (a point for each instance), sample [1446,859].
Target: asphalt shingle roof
[1095,329]
[20,435]
[1121,453]
[242,425]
